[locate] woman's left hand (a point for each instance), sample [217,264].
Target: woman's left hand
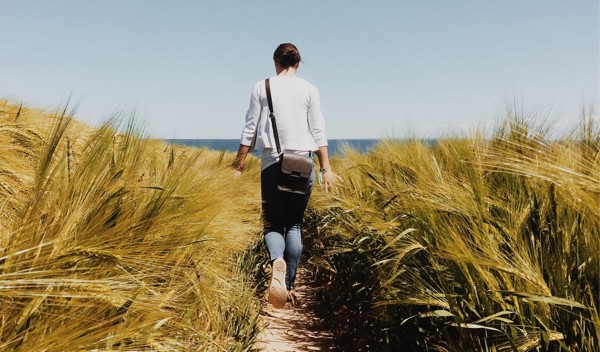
[330,180]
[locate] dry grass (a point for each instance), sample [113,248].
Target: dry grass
[470,244]
[112,241]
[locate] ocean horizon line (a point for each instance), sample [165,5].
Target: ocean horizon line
[231,145]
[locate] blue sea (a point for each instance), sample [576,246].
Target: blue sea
[231,145]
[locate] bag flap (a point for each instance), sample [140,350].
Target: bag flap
[293,163]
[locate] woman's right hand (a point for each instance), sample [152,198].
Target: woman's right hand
[238,164]
[236,172]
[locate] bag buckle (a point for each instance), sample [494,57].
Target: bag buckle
[295,175]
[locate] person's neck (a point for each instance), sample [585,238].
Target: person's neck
[288,72]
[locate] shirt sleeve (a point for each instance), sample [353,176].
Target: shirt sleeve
[252,116]
[316,121]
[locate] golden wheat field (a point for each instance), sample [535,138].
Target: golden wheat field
[114,241]
[473,243]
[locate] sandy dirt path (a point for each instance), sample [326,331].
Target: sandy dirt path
[295,328]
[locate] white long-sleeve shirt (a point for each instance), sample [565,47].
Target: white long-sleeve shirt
[297,110]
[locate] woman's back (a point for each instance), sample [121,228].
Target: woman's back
[296,106]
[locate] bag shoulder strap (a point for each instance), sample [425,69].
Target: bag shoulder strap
[272,116]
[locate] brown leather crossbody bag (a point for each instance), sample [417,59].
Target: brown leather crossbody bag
[295,169]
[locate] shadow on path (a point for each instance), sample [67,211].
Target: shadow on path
[295,328]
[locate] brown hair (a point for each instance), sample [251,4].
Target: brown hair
[287,55]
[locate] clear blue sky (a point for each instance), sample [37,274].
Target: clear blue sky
[382,67]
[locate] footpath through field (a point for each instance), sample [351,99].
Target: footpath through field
[295,328]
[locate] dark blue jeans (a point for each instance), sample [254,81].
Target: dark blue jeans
[282,217]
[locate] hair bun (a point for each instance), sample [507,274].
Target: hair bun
[287,55]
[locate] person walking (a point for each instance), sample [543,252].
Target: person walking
[300,130]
